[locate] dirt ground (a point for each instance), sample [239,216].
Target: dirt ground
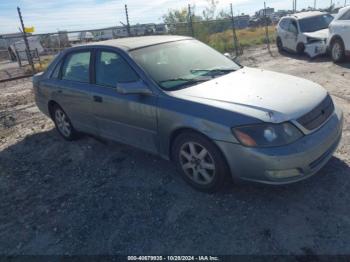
[96,197]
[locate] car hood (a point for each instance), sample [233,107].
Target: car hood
[265,95]
[322,34]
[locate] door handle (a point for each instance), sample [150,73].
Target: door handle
[98,99]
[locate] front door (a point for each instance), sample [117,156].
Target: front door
[344,29]
[292,35]
[126,118]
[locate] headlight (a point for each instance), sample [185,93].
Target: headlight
[267,135]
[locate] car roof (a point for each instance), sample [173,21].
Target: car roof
[341,12]
[130,43]
[303,15]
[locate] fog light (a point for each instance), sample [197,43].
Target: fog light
[283,173]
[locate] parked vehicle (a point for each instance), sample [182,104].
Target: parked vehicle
[304,32]
[178,98]
[339,39]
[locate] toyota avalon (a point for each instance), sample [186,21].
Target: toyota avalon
[182,100]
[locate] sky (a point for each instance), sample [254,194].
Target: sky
[52,15]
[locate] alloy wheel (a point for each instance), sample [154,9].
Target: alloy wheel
[336,51]
[63,123]
[197,163]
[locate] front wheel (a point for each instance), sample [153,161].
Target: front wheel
[200,162]
[338,51]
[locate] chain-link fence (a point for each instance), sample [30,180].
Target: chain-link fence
[228,34]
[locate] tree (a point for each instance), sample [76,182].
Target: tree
[210,11]
[178,20]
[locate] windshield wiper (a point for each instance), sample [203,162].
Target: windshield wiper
[187,81]
[213,72]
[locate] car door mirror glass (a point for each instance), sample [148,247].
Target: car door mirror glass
[138,87]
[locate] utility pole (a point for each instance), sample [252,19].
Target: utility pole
[127,20]
[235,39]
[29,55]
[315,4]
[295,8]
[190,20]
[266,29]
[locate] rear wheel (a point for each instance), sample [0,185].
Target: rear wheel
[338,51]
[63,123]
[279,44]
[200,162]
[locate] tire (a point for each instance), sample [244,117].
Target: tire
[279,44]
[63,124]
[337,51]
[200,162]
[300,49]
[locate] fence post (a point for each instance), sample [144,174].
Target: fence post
[127,20]
[29,56]
[235,39]
[190,20]
[266,29]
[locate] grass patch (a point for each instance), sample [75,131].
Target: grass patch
[223,42]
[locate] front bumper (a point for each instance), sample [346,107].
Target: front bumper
[316,49]
[292,163]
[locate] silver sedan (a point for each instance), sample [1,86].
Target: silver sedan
[180,99]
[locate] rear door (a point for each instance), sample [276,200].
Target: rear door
[127,118]
[70,85]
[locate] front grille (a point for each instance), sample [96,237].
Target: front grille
[318,115]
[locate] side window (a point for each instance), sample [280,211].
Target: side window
[345,16]
[56,72]
[112,69]
[293,28]
[285,24]
[76,67]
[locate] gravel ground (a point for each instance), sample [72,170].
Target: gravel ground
[97,197]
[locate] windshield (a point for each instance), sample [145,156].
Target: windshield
[180,64]
[315,23]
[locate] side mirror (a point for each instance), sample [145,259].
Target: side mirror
[136,88]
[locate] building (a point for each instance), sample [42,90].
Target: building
[75,38]
[120,31]
[242,21]
[104,34]
[161,29]
[268,12]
